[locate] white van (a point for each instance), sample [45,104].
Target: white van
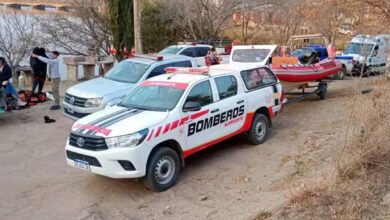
[366,52]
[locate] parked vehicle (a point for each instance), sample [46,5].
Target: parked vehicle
[172,116]
[366,54]
[94,95]
[292,76]
[195,50]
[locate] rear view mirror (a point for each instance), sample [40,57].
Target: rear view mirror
[191,107]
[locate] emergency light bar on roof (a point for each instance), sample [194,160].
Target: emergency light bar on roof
[156,57]
[187,43]
[202,71]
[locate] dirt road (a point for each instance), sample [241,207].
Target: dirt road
[232,180]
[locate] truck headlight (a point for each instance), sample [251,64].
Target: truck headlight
[93,102]
[130,140]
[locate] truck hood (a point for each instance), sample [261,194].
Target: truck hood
[357,57]
[118,121]
[98,88]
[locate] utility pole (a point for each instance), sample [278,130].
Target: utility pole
[137,26]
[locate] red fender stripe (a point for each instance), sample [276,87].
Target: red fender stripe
[183,120]
[174,124]
[166,129]
[158,132]
[150,135]
[244,128]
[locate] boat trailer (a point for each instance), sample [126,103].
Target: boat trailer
[321,90]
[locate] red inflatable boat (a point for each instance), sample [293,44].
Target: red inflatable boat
[294,75]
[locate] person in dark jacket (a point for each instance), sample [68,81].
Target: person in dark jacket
[5,71]
[5,85]
[39,69]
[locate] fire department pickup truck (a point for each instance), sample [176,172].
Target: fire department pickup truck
[172,116]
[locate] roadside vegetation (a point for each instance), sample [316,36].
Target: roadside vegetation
[357,186]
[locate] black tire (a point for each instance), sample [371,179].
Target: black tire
[323,87]
[341,74]
[162,170]
[260,129]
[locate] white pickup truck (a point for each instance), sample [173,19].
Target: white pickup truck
[197,51]
[94,95]
[172,116]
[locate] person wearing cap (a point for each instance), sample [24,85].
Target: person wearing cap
[53,75]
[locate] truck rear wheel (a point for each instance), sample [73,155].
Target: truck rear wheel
[163,169]
[340,75]
[259,131]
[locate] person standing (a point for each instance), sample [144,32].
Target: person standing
[5,75]
[39,69]
[5,71]
[54,76]
[212,57]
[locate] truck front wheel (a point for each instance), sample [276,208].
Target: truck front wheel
[259,131]
[163,169]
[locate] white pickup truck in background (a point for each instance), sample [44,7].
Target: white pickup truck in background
[94,95]
[197,51]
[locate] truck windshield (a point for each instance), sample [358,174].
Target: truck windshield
[358,48]
[153,98]
[171,50]
[250,55]
[127,71]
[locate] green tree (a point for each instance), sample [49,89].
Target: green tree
[120,17]
[158,31]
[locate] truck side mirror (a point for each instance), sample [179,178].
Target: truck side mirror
[191,107]
[375,51]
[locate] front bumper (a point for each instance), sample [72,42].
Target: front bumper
[109,160]
[359,68]
[76,112]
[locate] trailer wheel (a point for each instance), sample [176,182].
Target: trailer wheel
[162,170]
[260,129]
[323,90]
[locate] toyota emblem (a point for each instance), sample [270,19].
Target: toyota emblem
[80,142]
[71,101]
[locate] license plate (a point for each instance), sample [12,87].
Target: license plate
[82,165]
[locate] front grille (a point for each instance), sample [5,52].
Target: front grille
[75,114]
[78,101]
[90,143]
[90,160]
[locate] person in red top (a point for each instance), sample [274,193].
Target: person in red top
[212,57]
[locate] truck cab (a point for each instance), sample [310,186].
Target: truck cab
[95,94]
[169,117]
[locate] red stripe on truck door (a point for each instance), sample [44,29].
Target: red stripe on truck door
[247,125]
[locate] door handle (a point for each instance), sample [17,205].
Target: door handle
[214,110]
[241,101]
